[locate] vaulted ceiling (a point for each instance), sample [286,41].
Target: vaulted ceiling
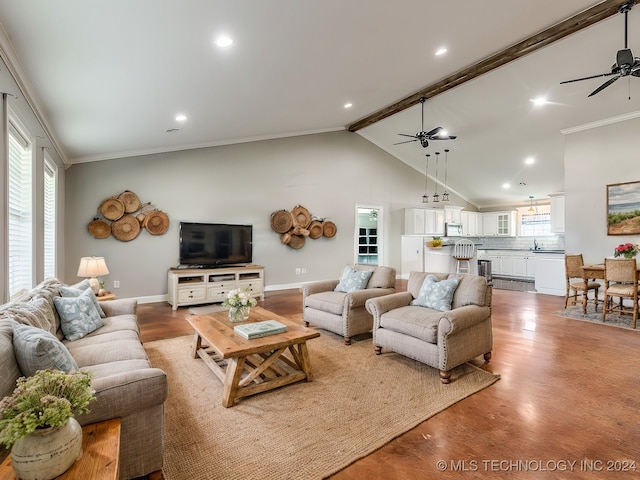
[110,77]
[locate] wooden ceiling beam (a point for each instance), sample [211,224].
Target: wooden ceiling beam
[540,40]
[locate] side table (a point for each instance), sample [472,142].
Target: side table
[100,454]
[107,296]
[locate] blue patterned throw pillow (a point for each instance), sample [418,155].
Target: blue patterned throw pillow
[66,291]
[437,294]
[353,280]
[37,349]
[78,315]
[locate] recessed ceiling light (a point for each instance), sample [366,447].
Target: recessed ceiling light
[530,160]
[441,51]
[506,185]
[348,105]
[181,117]
[224,41]
[540,101]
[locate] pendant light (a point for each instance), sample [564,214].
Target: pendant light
[436,197]
[425,197]
[445,195]
[531,209]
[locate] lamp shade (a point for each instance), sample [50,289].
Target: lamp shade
[92,267]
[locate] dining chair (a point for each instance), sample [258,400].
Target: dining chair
[573,271]
[620,280]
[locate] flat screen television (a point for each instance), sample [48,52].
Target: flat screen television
[211,245]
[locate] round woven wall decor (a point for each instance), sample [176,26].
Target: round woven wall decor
[301,216]
[156,222]
[130,201]
[112,208]
[281,221]
[125,229]
[99,229]
[329,229]
[315,230]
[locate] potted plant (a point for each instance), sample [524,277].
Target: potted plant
[38,421]
[239,302]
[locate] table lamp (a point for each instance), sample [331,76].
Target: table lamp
[93,267]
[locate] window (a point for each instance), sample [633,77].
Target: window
[50,190]
[535,224]
[20,227]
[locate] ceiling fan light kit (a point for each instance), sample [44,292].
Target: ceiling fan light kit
[626,64]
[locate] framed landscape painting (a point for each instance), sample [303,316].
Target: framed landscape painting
[623,208]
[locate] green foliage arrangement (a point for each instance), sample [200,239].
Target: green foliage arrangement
[49,398]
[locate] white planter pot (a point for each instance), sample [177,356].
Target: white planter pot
[47,453]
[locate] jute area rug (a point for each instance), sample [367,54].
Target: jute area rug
[356,403]
[575,312]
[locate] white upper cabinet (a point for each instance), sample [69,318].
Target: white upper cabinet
[452,214]
[557,213]
[471,223]
[502,224]
[423,221]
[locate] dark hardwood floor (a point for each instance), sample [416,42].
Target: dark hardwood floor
[566,406]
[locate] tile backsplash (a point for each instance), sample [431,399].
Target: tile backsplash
[551,242]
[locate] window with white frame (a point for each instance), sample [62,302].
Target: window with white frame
[536,223]
[20,205]
[50,192]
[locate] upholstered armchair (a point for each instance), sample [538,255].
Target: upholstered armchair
[343,312]
[435,335]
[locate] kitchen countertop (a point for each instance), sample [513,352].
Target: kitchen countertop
[560,252]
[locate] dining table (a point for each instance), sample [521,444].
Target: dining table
[594,272]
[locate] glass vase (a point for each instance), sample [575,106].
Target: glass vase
[239,314]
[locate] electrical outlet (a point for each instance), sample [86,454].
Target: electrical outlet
[116,284]
[303,270]
[298,270]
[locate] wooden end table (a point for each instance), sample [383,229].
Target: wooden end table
[100,454]
[246,367]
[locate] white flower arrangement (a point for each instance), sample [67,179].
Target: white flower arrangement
[238,298]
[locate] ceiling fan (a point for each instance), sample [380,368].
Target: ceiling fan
[424,137]
[626,64]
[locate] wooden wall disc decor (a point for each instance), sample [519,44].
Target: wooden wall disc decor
[111,208]
[315,229]
[281,221]
[329,229]
[130,201]
[126,228]
[99,229]
[296,242]
[285,238]
[156,222]
[301,216]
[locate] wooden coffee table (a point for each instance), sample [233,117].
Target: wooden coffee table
[247,367]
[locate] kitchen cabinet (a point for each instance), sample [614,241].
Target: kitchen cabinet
[423,221]
[471,221]
[412,255]
[557,213]
[510,263]
[452,214]
[499,224]
[524,265]
[550,278]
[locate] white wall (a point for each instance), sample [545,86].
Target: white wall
[326,173]
[595,158]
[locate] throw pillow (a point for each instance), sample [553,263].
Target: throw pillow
[67,291]
[437,294]
[78,316]
[353,280]
[36,349]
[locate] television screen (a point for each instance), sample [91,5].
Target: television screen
[209,245]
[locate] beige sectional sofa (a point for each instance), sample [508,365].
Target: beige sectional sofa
[442,339]
[126,384]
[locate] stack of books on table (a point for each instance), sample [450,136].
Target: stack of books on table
[260,329]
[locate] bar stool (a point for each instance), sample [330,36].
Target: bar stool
[463,252]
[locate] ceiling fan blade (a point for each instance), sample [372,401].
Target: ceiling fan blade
[435,131]
[604,85]
[405,135]
[408,141]
[589,78]
[446,137]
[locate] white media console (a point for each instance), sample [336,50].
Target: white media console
[211,285]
